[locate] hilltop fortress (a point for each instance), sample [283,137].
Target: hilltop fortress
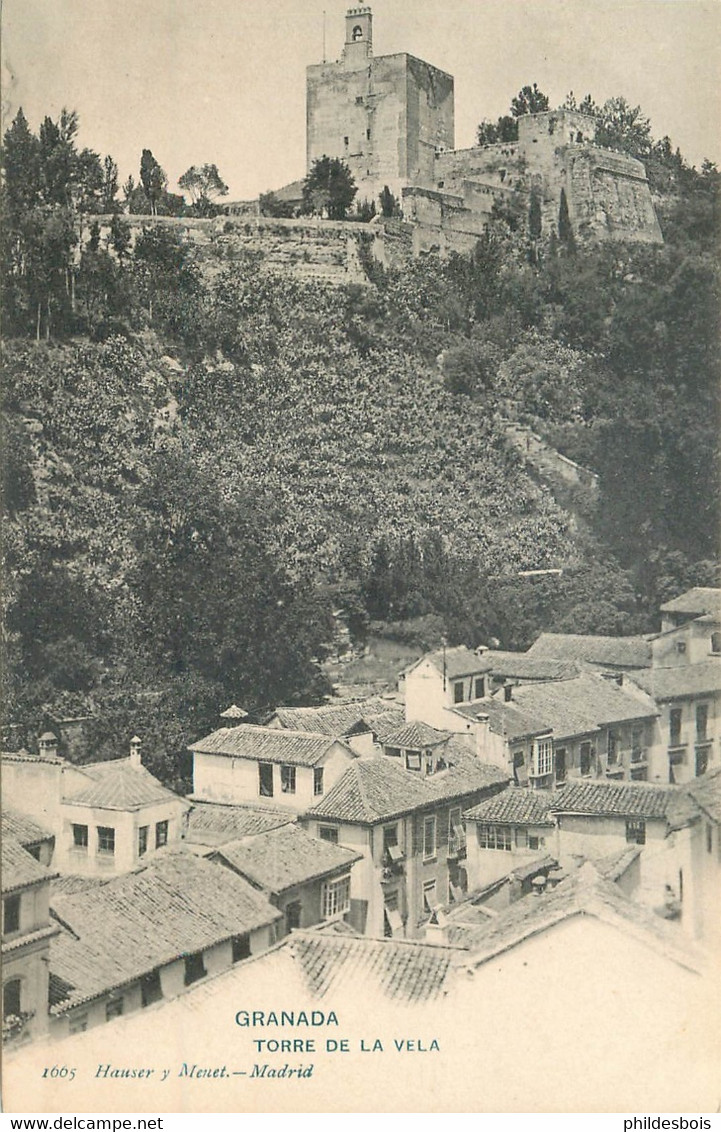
[391,118]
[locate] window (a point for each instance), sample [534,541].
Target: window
[113,1008]
[561,765]
[161,834]
[11,914]
[636,831]
[328,833]
[287,779]
[78,1024]
[345,141]
[240,947]
[11,998]
[674,727]
[709,837]
[701,760]
[458,692]
[586,755]
[701,723]
[393,752]
[80,837]
[106,839]
[194,968]
[636,744]
[413,760]
[317,780]
[542,757]
[716,642]
[494,836]
[430,898]
[390,837]
[456,833]
[357,33]
[680,646]
[293,915]
[536,842]
[336,897]
[265,780]
[150,988]
[479,687]
[429,838]
[639,774]
[142,840]
[368,133]
[612,748]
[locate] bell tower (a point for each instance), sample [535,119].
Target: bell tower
[358,37]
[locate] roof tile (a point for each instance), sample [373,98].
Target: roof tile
[285,857]
[267,744]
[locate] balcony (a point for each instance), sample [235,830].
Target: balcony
[393,863]
[457,846]
[677,754]
[638,757]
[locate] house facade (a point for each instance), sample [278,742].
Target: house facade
[443,680]
[145,937]
[105,817]
[307,879]
[293,769]
[685,739]
[583,819]
[408,828]
[27,932]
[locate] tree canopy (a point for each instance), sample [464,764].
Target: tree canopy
[204,184]
[329,188]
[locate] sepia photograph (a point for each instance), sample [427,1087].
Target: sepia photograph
[360,683]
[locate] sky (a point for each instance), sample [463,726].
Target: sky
[223,81]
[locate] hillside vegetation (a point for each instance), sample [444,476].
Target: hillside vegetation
[202,467]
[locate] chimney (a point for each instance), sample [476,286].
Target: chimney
[481,729]
[232,716]
[507,693]
[48,745]
[480,649]
[135,744]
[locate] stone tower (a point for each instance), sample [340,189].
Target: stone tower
[385,115]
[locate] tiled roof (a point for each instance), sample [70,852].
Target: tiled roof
[70,885]
[584,893]
[416,736]
[506,719]
[371,790]
[19,868]
[706,793]
[22,828]
[515,805]
[680,681]
[117,785]
[285,857]
[522,666]
[522,806]
[377,789]
[624,799]
[214,823]
[176,905]
[700,599]
[23,756]
[337,719]
[386,723]
[267,744]
[581,705]
[618,652]
[457,661]
[403,970]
